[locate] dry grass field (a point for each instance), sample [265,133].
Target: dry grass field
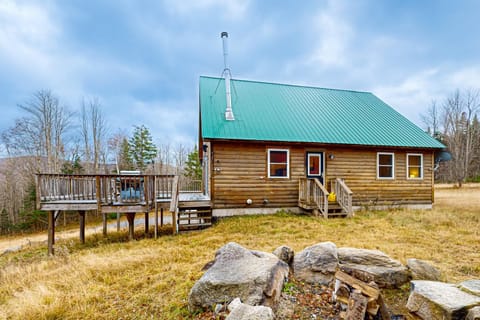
[109,278]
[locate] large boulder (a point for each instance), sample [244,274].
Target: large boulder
[439,301]
[317,263]
[386,272]
[255,277]
[241,311]
[422,270]
[471,286]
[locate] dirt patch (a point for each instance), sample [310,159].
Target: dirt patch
[300,300]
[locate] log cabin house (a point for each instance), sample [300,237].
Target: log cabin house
[269,146]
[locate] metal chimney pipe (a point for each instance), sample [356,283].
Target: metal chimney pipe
[226,71]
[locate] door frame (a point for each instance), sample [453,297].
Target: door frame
[321,155]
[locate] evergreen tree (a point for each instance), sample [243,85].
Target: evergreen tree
[125,161]
[72,167]
[142,150]
[193,167]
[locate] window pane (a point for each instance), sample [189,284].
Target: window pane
[385,159]
[414,172]
[278,156]
[385,172]
[278,170]
[314,162]
[414,161]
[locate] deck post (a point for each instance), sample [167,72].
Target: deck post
[38,195]
[147,222]
[118,221]
[156,223]
[98,195]
[81,214]
[161,217]
[51,232]
[174,222]
[104,222]
[131,225]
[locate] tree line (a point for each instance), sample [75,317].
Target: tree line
[48,138]
[454,122]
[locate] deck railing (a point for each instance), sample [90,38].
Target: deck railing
[344,196]
[188,185]
[107,189]
[311,191]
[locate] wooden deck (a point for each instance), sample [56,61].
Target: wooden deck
[123,194]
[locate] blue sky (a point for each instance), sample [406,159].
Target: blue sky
[143,59]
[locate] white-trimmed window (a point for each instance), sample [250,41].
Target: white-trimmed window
[414,166]
[385,165]
[278,163]
[315,164]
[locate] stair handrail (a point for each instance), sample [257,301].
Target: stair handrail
[174,203]
[344,196]
[320,196]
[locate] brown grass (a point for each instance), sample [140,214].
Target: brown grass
[111,279]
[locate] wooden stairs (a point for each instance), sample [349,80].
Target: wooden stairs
[194,215]
[335,210]
[314,197]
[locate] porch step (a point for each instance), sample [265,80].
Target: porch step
[335,210]
[195,215]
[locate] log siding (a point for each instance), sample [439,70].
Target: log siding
[239,171]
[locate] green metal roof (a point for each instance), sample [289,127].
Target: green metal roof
[279,112]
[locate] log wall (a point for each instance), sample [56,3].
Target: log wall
[238,172]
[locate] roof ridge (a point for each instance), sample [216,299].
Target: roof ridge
[288,84]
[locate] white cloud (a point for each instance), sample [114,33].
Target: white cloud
[412,95]
[27,34]
[333,33]
[232,9]
[169,121]
[465,78]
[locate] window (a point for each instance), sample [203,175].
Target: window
[278,166]
[385,165]
[414,166]
[314,164]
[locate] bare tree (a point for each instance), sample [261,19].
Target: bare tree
[115,144]
[164,159]
[93,131]
[35,143]
[459,111]
[40,132]
[180,156]
[431,119]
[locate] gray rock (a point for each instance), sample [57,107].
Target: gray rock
[285,254]
[422,270]
[386,272]
[473,314]
[241,311]
[438,300]
[471,286]
[316,264]
[255,277]
[234,304]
